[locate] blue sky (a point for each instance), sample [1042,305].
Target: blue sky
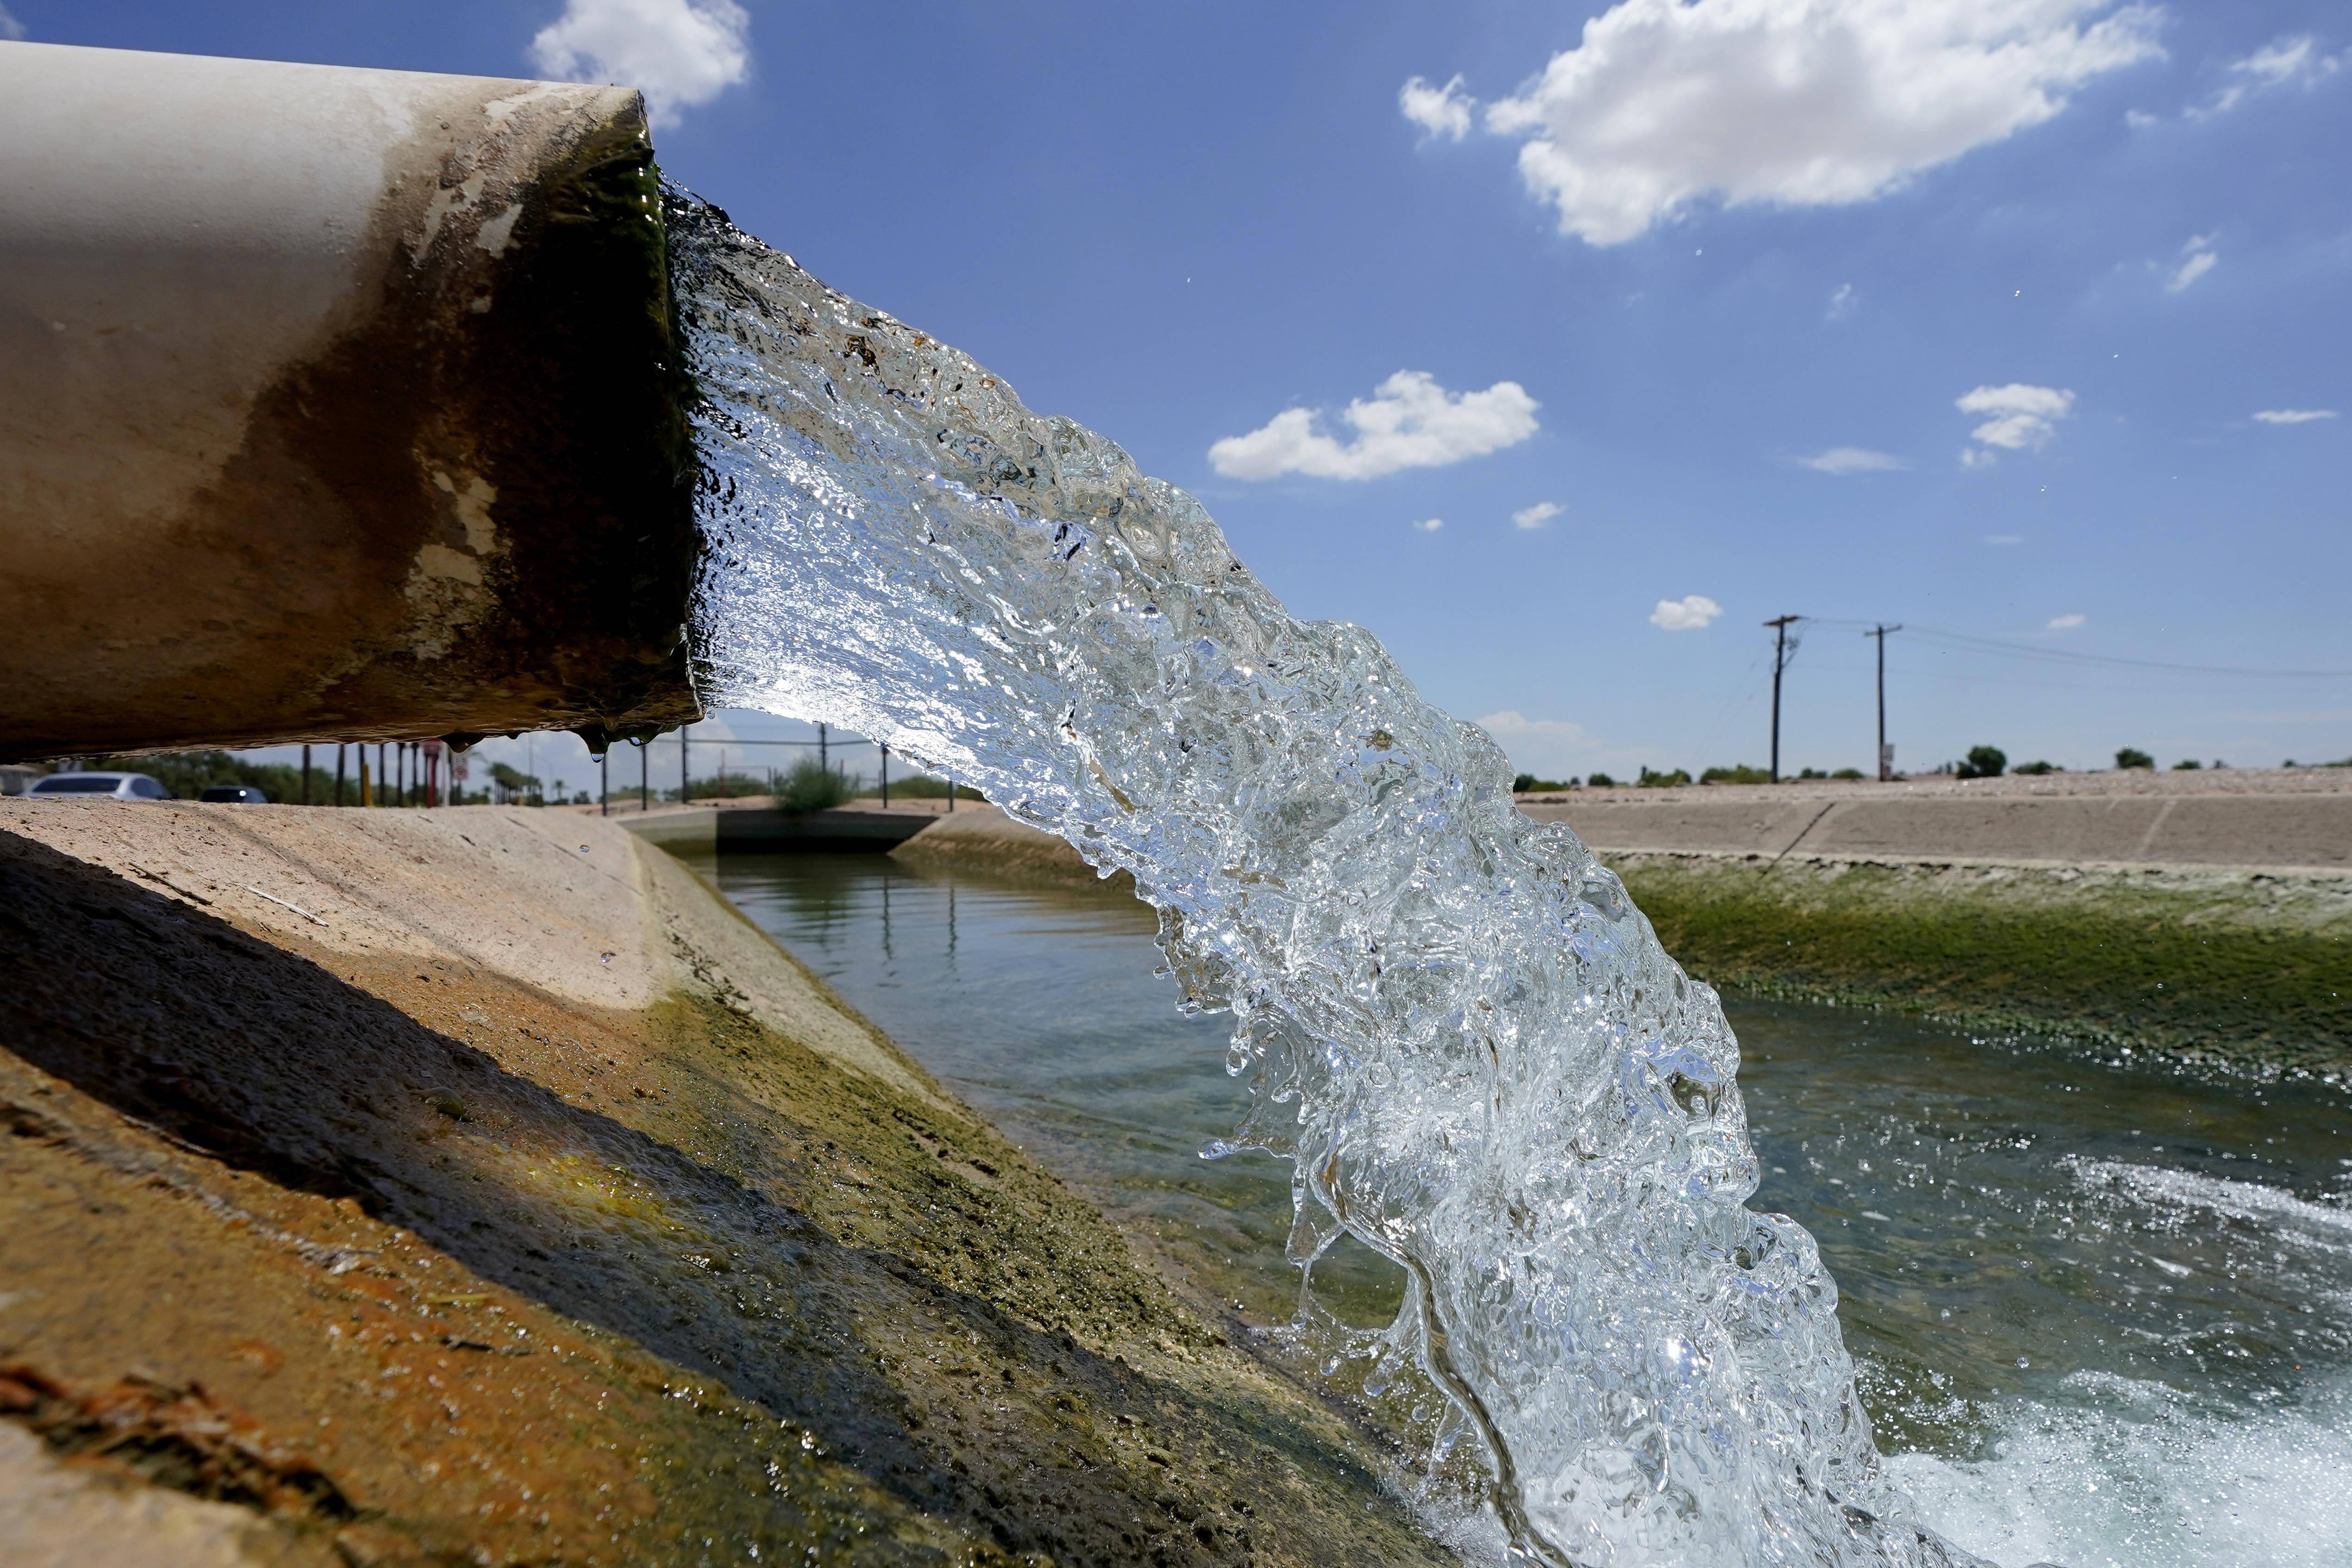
[1957,313]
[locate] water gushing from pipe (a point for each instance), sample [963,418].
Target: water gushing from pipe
[1464,1033]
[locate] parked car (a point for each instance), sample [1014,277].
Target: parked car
[113,786]
[235,795]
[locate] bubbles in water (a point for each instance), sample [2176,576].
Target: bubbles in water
[2113,1472]
[1482,1064]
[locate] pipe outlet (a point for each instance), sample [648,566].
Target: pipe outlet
[334,404]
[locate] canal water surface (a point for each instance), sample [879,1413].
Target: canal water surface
[2104,1315]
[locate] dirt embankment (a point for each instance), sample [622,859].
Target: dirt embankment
[475,1186]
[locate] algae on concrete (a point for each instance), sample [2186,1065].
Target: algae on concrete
[475,1186]
[2244,970]
[2238,970]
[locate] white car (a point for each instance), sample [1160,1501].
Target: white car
[108,786]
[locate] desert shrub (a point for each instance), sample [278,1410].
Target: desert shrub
[2037,768]
[1737,773]
[810,785]
[1847,773]
[1654,780]
[731,786]
[1601,781]
[2133,757]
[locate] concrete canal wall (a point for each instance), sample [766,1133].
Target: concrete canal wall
[2297,822]
[2205,918]
[753,827]
[401,1187]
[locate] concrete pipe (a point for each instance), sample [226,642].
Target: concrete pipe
[334,404]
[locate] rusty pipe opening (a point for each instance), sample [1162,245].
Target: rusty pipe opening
[334,404]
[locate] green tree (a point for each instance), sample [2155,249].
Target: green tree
[186,773]
[509,784]
[1983,763]
[1737,773]
[2133,757]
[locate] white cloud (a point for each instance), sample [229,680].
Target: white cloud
[2198,259]
[1430,524]
[1694,611]
[1439,111]
[1844,460]
[10,28]
[2291,60]
[1551,748]
[1536,516]
[678,53]
[1411,422]
[2065,623]
[1842,303]
[2293,415]
[2020,416]
[1788,102]
[2138,119]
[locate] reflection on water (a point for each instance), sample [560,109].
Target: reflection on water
[1040,1008]
[2105,1317]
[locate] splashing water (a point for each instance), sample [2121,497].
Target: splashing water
[1465,1036]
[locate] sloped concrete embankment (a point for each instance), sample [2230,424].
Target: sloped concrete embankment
[2009,912]
[982,838]
[475,1186]
[2201,916]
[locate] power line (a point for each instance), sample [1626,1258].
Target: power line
[1971,642]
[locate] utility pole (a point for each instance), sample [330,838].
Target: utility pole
[305,775]
[1885,757]
[1779,662]
[604,782]
[645,775]
[684,777]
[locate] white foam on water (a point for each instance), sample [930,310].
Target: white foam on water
[2251,1203]
[2116,1473]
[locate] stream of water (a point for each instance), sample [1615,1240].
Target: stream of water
[1450,1019]
[2103,1318]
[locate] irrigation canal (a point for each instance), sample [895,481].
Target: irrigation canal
[2103,1312]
